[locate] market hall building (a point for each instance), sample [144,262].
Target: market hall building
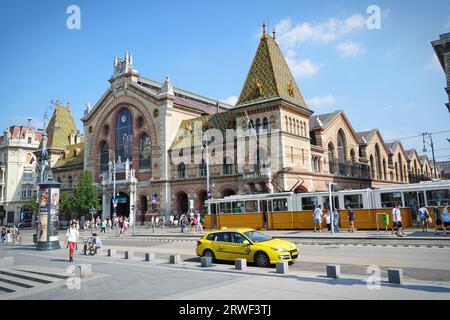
[135,129]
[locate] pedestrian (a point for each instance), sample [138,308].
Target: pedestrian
[184,223]
[351,219]
[424,216]
[327,217]
[336,220]
[317,217]
[438,219]
[397,220]
[171,220]
[72,237]
[3,234]
[445,218]
[109,224]
[103,226]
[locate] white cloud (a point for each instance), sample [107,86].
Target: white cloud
[433,63]
[231,100]
[322,101]
[350,49]
[408,105]
[302,68]
[290,35]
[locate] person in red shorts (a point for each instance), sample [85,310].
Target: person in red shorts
[72,237]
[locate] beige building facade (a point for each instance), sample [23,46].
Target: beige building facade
[152,147]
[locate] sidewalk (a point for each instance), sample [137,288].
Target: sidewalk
[168,232]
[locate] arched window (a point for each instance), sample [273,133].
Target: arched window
[331,162]
[265,123]
[227,166]
[396,172]
[287,124]
[372,168]
[341,152]
[70,182]
[145,147]
[377,162]
[384,169]
[104,157]
[302,129]
[400,167]
[353,162]
[290,125]
[251,126]
[258,126]
[124,136]
[181,170]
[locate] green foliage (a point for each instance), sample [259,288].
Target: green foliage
[66,206]
[32,205]
[85,196]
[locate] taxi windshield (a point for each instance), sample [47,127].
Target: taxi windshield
[256,236]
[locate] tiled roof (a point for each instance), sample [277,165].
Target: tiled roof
[185,134]
[270,77]
[60,127]
[73,156]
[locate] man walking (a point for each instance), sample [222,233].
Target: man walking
[397,220]
[317,216]
[72,237]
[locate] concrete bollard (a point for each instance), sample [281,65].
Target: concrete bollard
[282,267]
[333,271]
[174,259]
[7,262]
[83,271]
[395,275]
[240,264]
[129,254]
[111,252]
[150,257]
[206,262]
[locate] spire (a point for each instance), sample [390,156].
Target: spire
[264,35]
[88,108]
[270,77]
[167,88]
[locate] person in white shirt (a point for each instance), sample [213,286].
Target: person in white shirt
[317,216]
[424,216]
[397,220]
[72,237]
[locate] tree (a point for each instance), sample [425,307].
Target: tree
[66,206]
[85,196]
[32,205]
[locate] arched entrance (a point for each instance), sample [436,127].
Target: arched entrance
[183,202]
[301,189]
[123,205]
[228,192]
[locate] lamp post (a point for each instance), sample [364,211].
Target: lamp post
[330,199]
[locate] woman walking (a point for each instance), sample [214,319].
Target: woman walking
[72,237]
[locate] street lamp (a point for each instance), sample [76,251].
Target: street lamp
[330,201]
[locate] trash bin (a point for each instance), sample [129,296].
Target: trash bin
[34,238]
[385,219]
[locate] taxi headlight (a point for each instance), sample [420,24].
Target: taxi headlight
[280,249]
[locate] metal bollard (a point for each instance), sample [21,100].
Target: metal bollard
[150,257]
[83,270]
[333,271]
[206,262]
[282,267]
[129,255]
[395,275]
[174,259]
[240,264]
[111,252]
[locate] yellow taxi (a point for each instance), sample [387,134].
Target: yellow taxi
[246,243]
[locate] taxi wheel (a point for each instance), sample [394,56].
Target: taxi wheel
[209,253]
[262,260]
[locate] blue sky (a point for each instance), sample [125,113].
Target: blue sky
[386,79]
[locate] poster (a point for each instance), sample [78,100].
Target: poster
[54,213]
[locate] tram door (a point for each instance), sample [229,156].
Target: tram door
[414,200]
[265,207]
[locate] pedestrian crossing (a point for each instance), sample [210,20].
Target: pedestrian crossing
[21,280]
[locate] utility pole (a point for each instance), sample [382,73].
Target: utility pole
[429,135]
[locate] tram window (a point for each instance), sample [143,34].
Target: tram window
[279,205]
[309,203]
[435,196]
[251,206]
[225,207]
[213,208]
[238,207]
[388,200]
[326,205]
[355,201]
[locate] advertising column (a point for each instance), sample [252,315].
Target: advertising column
[47,237]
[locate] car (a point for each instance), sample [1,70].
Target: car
[26,224]
[246,243]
